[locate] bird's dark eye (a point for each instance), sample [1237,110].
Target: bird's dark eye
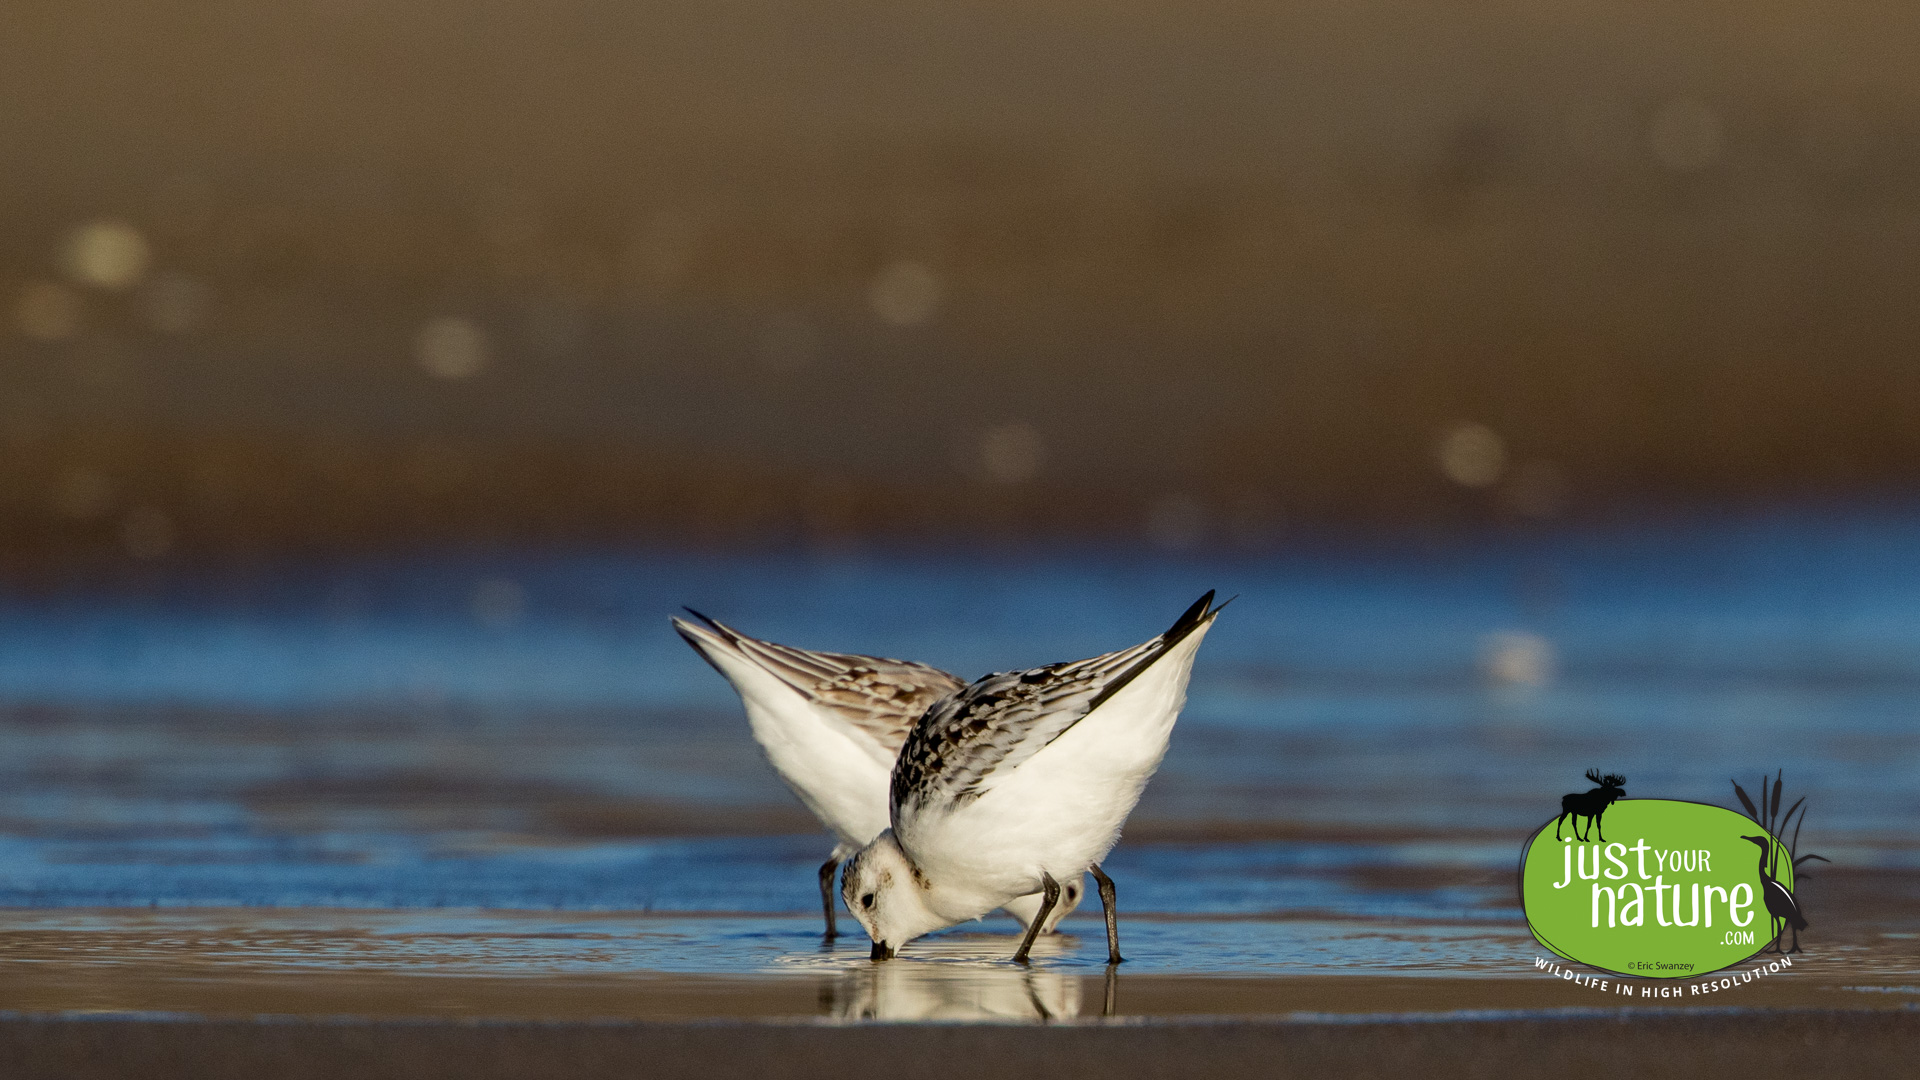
[867,900]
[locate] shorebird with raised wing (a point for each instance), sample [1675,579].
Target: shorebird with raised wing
[1018,781]
[831,725]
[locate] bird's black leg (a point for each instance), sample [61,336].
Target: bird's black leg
[1109,904]
[827,871]
[1049,896]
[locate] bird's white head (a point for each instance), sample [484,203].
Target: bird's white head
[888,894]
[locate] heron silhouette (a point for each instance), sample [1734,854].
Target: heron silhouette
[1780,901]
[1781,907]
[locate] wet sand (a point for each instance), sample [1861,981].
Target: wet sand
[1668,1045]
[501,966]
[648,997]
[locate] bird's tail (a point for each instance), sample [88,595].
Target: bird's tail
[1199,615]
[711,641]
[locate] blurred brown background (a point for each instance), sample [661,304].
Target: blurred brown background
[339,273]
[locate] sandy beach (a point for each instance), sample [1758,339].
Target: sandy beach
[1671,1045]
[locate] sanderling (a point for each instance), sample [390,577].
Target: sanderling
[1001,789]
[831,724]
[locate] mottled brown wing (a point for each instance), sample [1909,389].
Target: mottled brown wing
[878,696]
[1005,718]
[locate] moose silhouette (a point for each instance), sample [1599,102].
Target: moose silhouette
[1590,805]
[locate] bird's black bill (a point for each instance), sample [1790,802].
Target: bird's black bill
[880,952]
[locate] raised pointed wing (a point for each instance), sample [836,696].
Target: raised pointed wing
[873,694]
[1005,718]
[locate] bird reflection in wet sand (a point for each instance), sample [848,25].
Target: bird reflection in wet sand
[915,990]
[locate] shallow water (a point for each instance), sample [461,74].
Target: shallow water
[221,961]
[510,943]
[1370,736]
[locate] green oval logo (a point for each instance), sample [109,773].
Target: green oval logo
[1676,890]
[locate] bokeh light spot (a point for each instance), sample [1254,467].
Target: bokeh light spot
[905,293]
[1517,658]
[497,603]
[106,254]
[1012,453]
[451,348]
[48,311]
[1471,455]
[1685,135]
